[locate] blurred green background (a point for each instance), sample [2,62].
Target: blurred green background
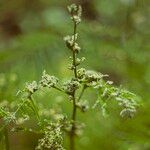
[114,39]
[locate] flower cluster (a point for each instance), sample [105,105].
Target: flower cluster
[70,86]
[83,105]
[90,78]
[31,87]
[71,44]
[52,138]
[48,81]
[7,116]
[76,12]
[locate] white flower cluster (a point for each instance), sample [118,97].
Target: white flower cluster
[31,87]
[48,81]
[7,116]
[70,86]
[71,44]
[83,105]
[76,12]
[52,138]
[90,78]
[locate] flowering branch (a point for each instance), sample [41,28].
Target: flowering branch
[51,122]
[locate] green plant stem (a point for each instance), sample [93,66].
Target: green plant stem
[57,88]
[72,132]
[74,53]
[6,139]
[34,107]
[20,106]
[82,92]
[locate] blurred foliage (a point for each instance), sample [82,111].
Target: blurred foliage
[114,38]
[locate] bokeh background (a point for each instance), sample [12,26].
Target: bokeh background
[114,40]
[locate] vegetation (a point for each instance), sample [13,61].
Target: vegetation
[53,127]
[113,37]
